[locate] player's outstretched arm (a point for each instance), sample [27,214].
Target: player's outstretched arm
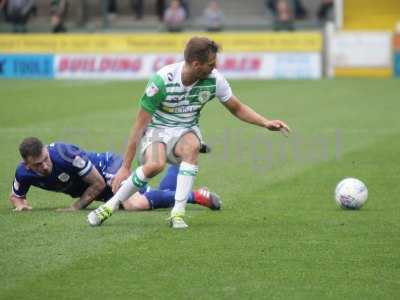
[19,204]
[96,187]
[142,120]
[248,115]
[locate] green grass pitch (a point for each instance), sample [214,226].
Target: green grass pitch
[279,235]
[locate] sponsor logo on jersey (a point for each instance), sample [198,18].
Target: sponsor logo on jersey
[185,109]
[204,96]
[170,76]
[176,100]
[64,177]
[78,162]
[151,90]
[168,109]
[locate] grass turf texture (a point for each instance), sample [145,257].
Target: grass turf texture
[279,235]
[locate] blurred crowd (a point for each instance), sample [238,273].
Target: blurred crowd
[18,13]
[286,12]
[174,14]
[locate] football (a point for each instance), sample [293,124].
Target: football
[351,193]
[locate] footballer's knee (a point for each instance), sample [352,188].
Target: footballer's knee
[152,168]
[155,160]
[188,148]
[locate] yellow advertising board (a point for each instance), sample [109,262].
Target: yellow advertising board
[363,72]
[371,15]
[158,42]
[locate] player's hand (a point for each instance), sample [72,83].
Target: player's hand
[122,174]
[278,125]
[68,209]
[23,208]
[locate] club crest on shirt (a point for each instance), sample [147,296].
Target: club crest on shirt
[204,96]
[170,76]
[151,90]
[64,177]
[78,162]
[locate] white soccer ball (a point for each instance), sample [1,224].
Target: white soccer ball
[351,193]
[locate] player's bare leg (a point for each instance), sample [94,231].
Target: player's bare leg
[137,202]
[155,160]
[188,150]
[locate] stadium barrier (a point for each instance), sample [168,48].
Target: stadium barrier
[263,55]
[27,66]
[235,65]
[158,42]
[358,53]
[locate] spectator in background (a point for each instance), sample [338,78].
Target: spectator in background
[137,6]
[18,13]
[213,16]
[295,5]
[2,6]
[2,10]
[284,16]
[174,17]
[112,8]
[324,10]
[185,5]
[58,12]
[299,10]
[160,9]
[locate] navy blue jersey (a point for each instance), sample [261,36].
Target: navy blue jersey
[70,165]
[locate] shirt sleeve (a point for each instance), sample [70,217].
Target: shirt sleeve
[223,89]
[154,94]
[20,185]
[73,159]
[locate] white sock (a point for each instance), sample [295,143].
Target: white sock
[186,176]
[127,189]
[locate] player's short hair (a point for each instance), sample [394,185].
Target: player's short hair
[30,146]
[199,48]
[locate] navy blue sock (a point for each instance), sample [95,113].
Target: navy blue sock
[169,180]
[191,198]
[164,199]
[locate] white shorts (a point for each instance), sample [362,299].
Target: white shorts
[169,137]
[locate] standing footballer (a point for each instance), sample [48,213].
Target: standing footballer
[166,127]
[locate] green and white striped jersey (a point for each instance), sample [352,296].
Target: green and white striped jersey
[174,105]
